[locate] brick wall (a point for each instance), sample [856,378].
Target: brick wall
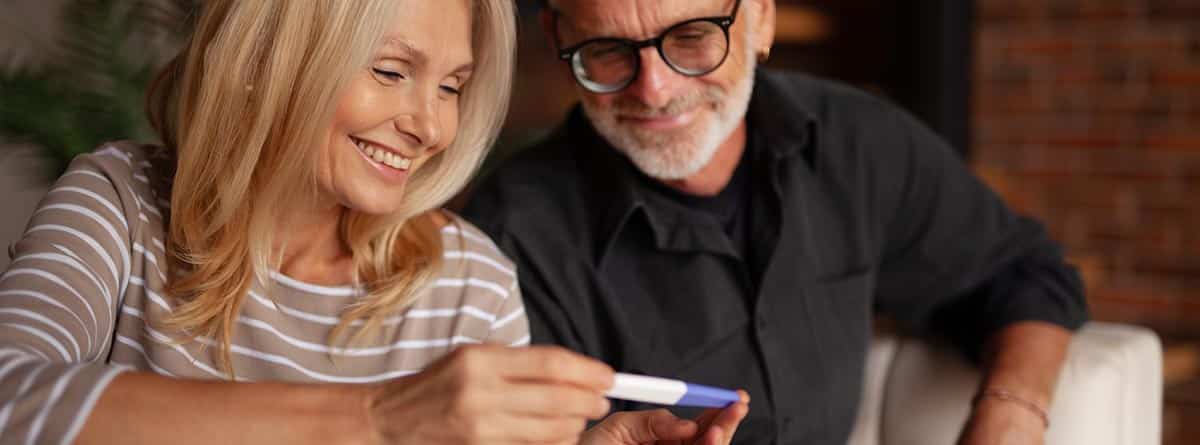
[1087,116]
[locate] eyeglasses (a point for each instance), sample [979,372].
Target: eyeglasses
[692,48]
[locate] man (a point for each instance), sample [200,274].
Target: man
[700,219]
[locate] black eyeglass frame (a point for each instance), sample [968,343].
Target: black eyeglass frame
[570,55]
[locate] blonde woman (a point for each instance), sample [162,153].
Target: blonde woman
[279,270]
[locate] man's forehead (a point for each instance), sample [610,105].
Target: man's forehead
[625,17]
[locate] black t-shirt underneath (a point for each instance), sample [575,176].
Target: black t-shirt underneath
[741,208]
[729,208]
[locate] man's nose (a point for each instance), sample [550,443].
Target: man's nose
[656,82]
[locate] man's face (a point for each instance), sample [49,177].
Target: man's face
[669,124]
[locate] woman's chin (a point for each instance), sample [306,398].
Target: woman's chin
[373,204]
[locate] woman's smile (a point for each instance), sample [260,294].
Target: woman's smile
[391,166]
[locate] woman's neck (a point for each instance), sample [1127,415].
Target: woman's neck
[310,246]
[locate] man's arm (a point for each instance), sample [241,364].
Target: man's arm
[1022,365]
[954,259]
[957,262]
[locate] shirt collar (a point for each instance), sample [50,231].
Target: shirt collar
[615,193]
[781,116]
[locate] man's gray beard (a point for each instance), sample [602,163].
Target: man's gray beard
[670,156]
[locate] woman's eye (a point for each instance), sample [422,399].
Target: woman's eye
[450,90]
[390,75]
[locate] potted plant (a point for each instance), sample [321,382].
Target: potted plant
[82,80]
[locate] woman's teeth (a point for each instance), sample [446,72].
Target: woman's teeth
[383,156]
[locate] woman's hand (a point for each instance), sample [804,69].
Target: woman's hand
[712,427]
[483,394]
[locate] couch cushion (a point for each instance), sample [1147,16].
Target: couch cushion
[1109,392]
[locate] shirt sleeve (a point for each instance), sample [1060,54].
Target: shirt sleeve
[546,322]
[58,302]
[512,325]
[956,260]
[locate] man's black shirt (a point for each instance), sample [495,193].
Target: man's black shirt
[854,208]
[730,208]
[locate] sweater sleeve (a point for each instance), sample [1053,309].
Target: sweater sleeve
[59,300]
[511,326]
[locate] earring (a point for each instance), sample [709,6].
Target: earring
[764,54]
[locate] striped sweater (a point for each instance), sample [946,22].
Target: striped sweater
[87,277]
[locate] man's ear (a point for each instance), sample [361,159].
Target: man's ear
[765,26]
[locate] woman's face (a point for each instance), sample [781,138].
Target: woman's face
[399,110]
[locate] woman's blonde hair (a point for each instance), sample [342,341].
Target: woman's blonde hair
[243,106]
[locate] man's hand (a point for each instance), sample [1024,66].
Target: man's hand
[712,427]
[996,422]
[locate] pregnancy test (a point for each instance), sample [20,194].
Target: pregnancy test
[640,388]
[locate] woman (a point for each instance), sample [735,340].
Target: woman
[279,271]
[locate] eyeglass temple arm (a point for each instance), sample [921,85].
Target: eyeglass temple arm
[554,14]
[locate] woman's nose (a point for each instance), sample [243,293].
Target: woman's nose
[420,125]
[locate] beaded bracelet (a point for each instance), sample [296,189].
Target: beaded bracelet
[1007,396]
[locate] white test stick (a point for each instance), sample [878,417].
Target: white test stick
[657,390]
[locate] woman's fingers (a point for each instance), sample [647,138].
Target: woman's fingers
[552,363]
[539,381]
[534,399]
[494,394]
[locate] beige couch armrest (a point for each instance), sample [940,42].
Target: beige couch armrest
[875,376]
[1109,392]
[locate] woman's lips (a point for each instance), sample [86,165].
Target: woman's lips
[391,166]
[382,155]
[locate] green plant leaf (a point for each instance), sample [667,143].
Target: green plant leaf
[92,90]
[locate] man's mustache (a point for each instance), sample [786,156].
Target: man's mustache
[631,107]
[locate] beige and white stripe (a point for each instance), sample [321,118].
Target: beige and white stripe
[82,297]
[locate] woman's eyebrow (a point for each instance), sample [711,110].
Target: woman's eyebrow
[465,69]
[420,57]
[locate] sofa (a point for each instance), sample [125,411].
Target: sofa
[918,392]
